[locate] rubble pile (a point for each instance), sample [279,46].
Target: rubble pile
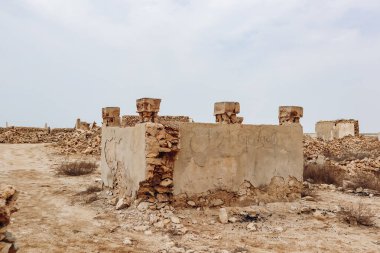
[65,140]
[24,135]
[85,142]
[347,148]
[161,146]
[352,154]
[8,196]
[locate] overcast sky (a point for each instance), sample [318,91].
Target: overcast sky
[63,59]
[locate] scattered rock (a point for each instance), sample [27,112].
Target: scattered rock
[123,203]
[127,241]
[251,226]
[216,202]
[175,219]
[223,216]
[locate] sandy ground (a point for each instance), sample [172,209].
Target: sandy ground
[54,218]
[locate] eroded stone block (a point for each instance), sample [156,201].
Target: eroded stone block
[148,109]
[111,116]
[290,114]
[225,112]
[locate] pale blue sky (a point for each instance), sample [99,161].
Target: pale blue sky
[63,59]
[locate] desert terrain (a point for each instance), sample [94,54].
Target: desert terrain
[60,213]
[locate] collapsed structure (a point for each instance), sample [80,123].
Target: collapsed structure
[336,129]
[201,164]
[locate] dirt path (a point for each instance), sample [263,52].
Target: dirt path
[53,218]
[48,221]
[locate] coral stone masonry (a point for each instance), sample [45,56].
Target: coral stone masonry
[225,112]
[207,164]
[290,114]
[111,116]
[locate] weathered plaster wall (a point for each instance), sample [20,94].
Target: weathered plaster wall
[344,129]
[329,130]
[325,130]
[123,162]
[223,157]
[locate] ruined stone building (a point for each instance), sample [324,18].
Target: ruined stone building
[336,129]
[169,159]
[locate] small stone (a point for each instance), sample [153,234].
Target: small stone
[113,201]
[308,198]
[232,219]
[9,237]
[148,232]
[141,228]
[127,241]
[143,206]
[159,224]
[359,190]
[166,182]
[251,226]
[123,203]
[216,202]
[191,203]
[279,229]
[319,215]
[175,219]
[223,216]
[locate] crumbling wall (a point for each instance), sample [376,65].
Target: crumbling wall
[224,157]
[180,162]
[337,129]
[82,125]
[123,159]
[8,196]
[162,144]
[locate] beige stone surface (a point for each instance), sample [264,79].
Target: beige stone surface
[123,157]
[289,114]
[329,130]
[218,156]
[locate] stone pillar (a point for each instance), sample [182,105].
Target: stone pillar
[225,112]
[111,116]
[77,124]
[148,109]
[289,114]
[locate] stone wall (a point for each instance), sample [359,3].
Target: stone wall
[123,159]
[200,164]
[224,156]
[160,163]
[337,129]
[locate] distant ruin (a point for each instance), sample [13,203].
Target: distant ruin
[336,129]
[173,161]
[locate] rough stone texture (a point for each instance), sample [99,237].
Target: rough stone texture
[162,144]
[8,197]
[289,114]
[226,112]
[223,157]
[111,116]
[82,125]
[337,129]
[65,140]
[148,109]
[132,120]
